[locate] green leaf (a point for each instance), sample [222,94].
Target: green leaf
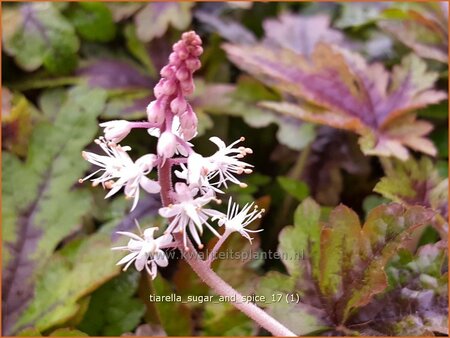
[37,218]
[68,277]
[415,182]
[175,317]
[92,20]
[296,188]
[113,309]
[39,35]
[138,49]
[67,333]
[222,319]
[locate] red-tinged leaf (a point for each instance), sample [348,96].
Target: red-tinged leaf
[343,265]
[423,28]
[343,91]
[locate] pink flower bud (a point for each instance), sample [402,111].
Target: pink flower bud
[187,87]
[158,90]
[174,59]
[197,51]
[178,105]
[183,53]
[167,71]
[117,130]
[182,74]
[193,64]
[167,145]
[169,87]
[154,113]
[188,123]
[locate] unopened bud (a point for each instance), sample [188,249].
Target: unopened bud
[178,105]
[154,113]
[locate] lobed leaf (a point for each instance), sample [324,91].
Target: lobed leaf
[343,265]
[337,88]
[36,219]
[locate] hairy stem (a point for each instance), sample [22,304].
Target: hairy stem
[213,253]
[202,269]
[216,283]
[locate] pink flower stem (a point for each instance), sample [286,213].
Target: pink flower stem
[143,125]
[203,270]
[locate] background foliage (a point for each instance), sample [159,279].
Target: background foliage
[342,103]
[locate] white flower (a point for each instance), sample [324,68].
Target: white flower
[118,165]
[117,130]
[188,212]
[226,163]
[236,220]
[182,146]
[196,172]
[145,251]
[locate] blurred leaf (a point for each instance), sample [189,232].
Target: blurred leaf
[344,92]
[423,27]
[39,35]
[296,188]
[229,30]
[222,319]
[300,33]
[36,219]
[415,182]
[359,14]
[161,15]
[168,311]
[123,10]
[115,74]
[92,20]
[18,118]
[338,266]
[113,309]
[138,49]
[68,277]
[67,333]
[416,303]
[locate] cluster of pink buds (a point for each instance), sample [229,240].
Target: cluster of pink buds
[200,178]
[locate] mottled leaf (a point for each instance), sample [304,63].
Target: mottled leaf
[155,18]
[337,266]
[344,92]
[417,301]
[415,182]
[37,35]
[36,219]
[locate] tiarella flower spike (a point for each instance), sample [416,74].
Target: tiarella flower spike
[173,121]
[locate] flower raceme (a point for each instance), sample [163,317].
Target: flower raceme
[172,120]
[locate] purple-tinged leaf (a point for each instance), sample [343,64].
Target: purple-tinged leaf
[36,195]
[230,30]
[300,33]
[155,18]
[115,74]
[344,92]
[338,266]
